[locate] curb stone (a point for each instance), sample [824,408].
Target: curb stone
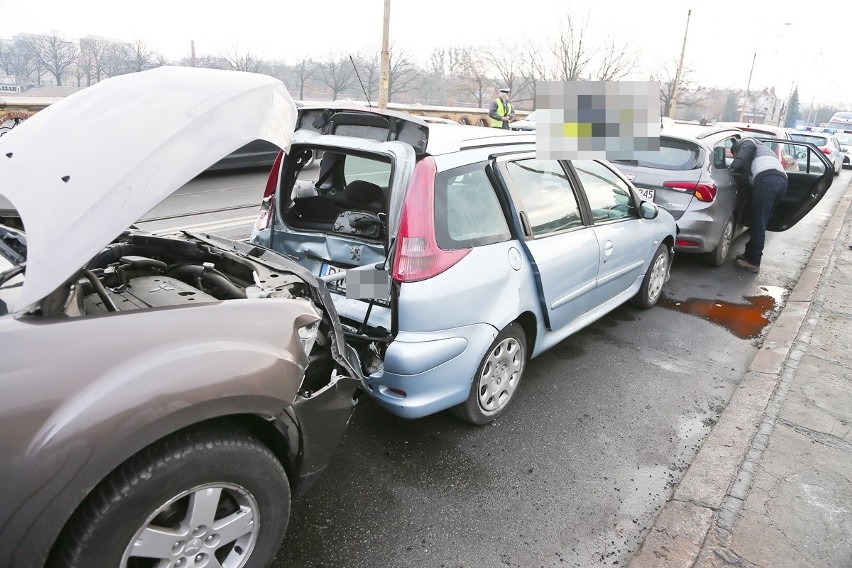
[717,481]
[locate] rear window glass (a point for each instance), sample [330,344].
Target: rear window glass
[467,211]
[816,140]
[673,155]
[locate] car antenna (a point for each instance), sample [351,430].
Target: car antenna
[360,81]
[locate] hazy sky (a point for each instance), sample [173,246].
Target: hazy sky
[722,38]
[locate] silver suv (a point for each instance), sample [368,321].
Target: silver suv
[689,177]
[454,254]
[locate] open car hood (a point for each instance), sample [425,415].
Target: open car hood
[84,169]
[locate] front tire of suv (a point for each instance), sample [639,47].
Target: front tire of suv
[719,255]
[203,496]
[497,377]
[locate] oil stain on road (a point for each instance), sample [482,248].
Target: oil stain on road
[745,321]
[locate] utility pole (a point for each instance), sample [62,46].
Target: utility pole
[748,88]
[676,89]
[384,73]
[192,54]
[810,110]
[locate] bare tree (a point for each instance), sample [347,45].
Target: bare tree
[475,79]
[336,73]
[94,52]
[241,61]
[444,68]
[404,75]
[570,48]
[533,70]
[509,63]
[54,54]
[304,70]
[142,57]
[666,74]
[367,67]
[615,61]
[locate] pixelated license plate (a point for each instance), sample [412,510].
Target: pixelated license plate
[647,194]
[327,269]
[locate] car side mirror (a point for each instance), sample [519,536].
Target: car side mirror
[720,161]
[648,210]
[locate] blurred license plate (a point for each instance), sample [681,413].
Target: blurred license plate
[647,194]
[327,269]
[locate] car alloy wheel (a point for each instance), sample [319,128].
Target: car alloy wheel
[206,496]
[215,524]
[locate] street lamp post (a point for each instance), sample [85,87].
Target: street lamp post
[675,93]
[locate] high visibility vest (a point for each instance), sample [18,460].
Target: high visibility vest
[502,112]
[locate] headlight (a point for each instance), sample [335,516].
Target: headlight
[308,336]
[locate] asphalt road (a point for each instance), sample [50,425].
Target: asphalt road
[574,473]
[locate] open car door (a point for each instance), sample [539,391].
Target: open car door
[809,175]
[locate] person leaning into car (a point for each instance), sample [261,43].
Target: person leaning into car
[501,110]
[768,184]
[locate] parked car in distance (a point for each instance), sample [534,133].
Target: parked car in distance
[827,144]
[765,130]
[689,177]
[457,251]
[526,123]
[163,397]
[845,140]
[436,119]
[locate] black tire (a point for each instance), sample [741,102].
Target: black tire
[651,290]
[226,472]
[719,255]
[507,357]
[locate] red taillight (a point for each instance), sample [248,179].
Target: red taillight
[826,150]
[686,243]
[702,191]
[265,213]
[418,256]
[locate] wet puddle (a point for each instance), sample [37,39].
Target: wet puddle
[746,321]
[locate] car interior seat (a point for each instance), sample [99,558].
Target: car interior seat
[360,195]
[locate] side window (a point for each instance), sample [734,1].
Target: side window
[806,160]
[609,196]
[367,169]
[467,211]
[547,195]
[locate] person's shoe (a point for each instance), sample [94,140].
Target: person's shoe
[741,257]
[746,265]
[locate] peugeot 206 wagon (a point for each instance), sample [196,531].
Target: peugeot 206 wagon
[162,397]
[453,254]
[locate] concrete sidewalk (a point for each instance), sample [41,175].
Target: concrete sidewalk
[772,484]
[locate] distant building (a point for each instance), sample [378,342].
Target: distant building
[11,84]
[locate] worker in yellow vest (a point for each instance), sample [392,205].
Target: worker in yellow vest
[501,110]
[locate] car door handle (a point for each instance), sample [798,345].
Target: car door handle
[608,248]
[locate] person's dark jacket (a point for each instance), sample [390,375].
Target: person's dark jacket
[757,157]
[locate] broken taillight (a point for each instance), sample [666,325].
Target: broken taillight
[418,256]
[702,191]
[265,213]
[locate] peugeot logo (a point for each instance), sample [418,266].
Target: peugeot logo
[631,176]
[355,252]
